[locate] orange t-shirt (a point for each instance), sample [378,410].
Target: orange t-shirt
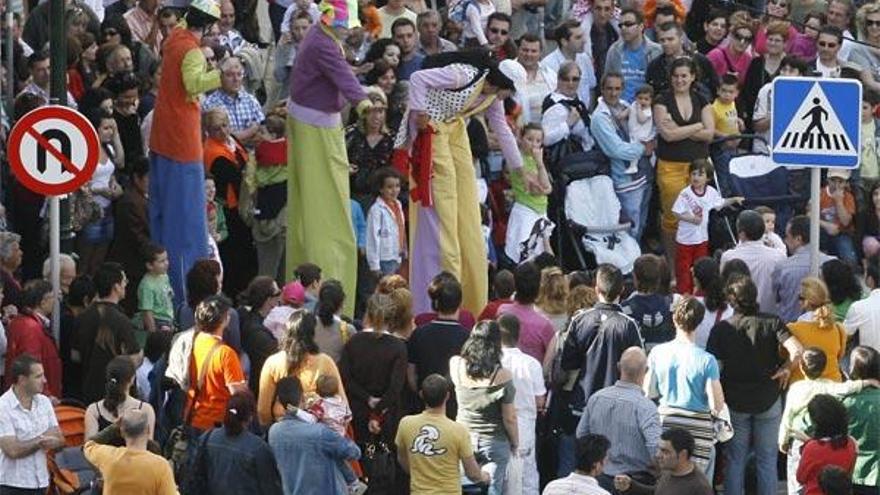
[828,209]
[223,370]
[831,340]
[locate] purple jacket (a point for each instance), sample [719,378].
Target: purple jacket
[321,78]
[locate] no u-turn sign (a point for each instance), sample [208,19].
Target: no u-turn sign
[53,150]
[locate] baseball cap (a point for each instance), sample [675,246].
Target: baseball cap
[293,293]
[840,173]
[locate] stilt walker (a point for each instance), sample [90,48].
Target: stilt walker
[177,175]
[319,213]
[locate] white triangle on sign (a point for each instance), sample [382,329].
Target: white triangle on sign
[815,129]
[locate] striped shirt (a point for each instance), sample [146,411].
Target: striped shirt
[629,420]
[29,472]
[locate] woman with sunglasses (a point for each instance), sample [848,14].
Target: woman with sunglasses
[565,116]
[868,26]
[735,57]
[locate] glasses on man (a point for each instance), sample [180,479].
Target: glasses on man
[872,22]
[743,38]
[502,32]
[628,24]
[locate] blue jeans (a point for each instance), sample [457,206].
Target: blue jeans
[756,432]
[631,203]
[389,267]
[840,245]
[493,453]
[566,455]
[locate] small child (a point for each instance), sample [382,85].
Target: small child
[528,228]
[640,121]
[293,296]
[155,295]
[646,305]
[727,121]
[333,412]
[216,217]
[771,238]
[869,165]
[691,208]
[271,170]
[386,228]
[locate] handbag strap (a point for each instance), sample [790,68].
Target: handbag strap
[203,375]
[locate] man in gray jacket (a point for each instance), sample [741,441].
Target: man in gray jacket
[631,54]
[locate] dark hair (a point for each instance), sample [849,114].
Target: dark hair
[832,31]
[400,22]
[140,166]
[260,290]
[33,293]
[330,299]
[81,291]
[733,268]
[609,281]
[196,19]
[873,270]
[665,10]
[37,56]
[529,38]
[377,50]
[276,125]
[646,273]
[688,313]
[680,439]
[581,277]
[640,17]
[382,174]
[669,26]
[435,390]
[504,284]
[609,75]
[121,82]
[74,50]
[864,363]
[152,252]
[742,294]
[201,281]
[307,274]
[289,391]
[482,350]
[841,281]
[684,62]
[716,13]
[107,276]
[830,419]
[708,276]
[27,102]
[813,362]
[327,385]
[701,164]
[118,375]
[240,410]
[211,313]
[729,79]
[591,450]
[380,68]
[564,29]
[499,16]
[97,115]
[299,338]
[509,326]
[833,480]
[527,278]
[445,293]
[156,345]
[750,223]
[22,366]
[799,226]
[93,98]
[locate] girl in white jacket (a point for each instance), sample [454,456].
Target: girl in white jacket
[386,228]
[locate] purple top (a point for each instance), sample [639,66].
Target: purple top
[322,80]
[535,332]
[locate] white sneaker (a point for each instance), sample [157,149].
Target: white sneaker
[357,488]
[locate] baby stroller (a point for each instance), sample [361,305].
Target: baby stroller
[587,214]
[759,180]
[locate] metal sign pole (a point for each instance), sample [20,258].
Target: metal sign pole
[815,185]
[58,93]
[55,255]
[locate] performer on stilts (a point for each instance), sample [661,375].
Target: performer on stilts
[319,212]
[177,175]
[445,226]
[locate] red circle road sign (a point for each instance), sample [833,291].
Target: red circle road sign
[53,150]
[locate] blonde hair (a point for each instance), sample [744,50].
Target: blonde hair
[378,98]
[581,297]
[213,116]
[400,317]
[861,16]
[553,292]
[814,293]
[390,283]
[778,28]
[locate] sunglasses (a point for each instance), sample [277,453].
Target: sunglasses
[628,24]
[743,39]
[571,79]
[111,32]
[825,44]
[872,22]
[502,32]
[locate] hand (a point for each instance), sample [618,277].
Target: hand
[573,117]
[837,194]
[285,38]
[622,483]
[872,382]
[373,402]
[782,376]
[650,146]
[422,120]
[740,124]
[538,153]
[698,218]
[485,478]
[738,200]
[531,182]
[831,228]
[374,427]
[352,168]
[9,311]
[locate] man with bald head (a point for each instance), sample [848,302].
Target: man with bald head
[153,475]
[625,416]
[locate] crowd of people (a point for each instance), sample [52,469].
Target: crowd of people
[325,250]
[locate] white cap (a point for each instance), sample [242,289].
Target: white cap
[514,71]
[840,173]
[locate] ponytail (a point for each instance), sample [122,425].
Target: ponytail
[239,412]
[824,315]
[120,372]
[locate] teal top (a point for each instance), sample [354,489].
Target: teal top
[864,427]
[156,295]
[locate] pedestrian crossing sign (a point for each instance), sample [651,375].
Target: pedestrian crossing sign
[816,122]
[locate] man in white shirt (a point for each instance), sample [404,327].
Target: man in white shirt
[528,378]
[864,316]
[540,79]
[761,260]
[390,12]
[591,451]
[28,428]
[571,39]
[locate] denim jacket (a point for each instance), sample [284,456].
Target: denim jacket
[307,455]
[611,137]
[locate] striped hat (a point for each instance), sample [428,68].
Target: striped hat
[340,13]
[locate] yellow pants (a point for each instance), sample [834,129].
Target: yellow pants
[672,177]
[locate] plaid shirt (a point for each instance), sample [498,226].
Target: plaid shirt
[244,110]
